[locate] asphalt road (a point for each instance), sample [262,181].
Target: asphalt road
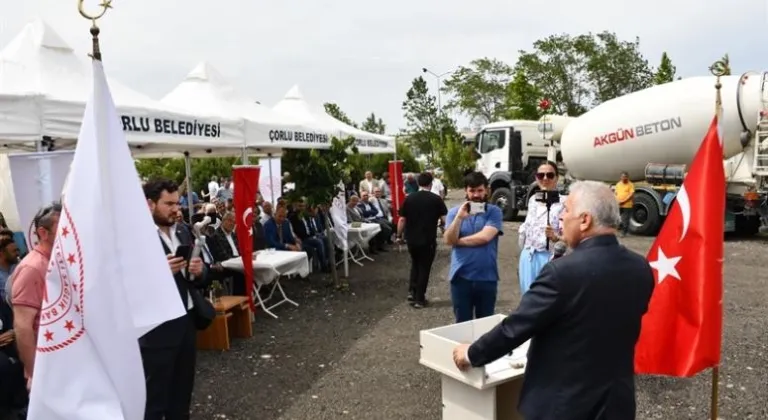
[354,355]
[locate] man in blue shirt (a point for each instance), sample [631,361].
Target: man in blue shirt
[473,232]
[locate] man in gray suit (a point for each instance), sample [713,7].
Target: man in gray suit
[583,315]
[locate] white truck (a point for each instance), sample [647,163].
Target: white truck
[652,134]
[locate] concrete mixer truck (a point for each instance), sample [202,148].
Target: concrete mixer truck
[652,134]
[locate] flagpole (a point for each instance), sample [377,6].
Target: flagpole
[718,69]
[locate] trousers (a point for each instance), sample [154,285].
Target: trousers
[473,299]
[422,257]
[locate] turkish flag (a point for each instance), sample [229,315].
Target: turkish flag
[681,333]
[246,179]
[397,195]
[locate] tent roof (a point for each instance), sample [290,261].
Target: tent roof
[207,91]
[45,84]
[295,106]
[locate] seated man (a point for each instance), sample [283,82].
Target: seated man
[278,232]
[13,386]
[223,246]
[371,215]
[354,214]
[259,240]
[301,227]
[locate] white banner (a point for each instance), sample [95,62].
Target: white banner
[38,179]
[270,179]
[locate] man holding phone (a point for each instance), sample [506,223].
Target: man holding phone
[168,352]
[473,232]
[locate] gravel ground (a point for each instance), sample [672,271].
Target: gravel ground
[354,355]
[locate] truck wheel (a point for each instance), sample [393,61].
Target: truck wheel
[747,225]
[645,216]
[502,197]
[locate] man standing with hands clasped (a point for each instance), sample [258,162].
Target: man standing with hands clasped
[582,316]
[418,218]
[473,232]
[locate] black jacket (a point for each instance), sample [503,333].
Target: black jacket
[583,313]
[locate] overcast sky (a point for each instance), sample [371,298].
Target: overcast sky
[363,54]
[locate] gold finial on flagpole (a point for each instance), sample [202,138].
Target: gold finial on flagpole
[720,68]
[105,4]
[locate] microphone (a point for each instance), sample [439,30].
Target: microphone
[199,241]
[559,249]
[199,226]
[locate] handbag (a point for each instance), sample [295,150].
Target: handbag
[203,312]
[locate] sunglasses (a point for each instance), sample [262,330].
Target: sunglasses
[548,175]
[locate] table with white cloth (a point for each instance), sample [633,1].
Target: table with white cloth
[268,267]
[358,238]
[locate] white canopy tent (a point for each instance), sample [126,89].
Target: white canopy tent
[295,107]
[206,91]
[44,85]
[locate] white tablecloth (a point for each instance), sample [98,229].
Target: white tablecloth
[268,265]
[364,233]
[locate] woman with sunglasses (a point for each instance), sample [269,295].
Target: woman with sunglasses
[537,228]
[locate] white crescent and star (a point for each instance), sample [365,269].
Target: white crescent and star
[245,220]
[685,208]
[665,266]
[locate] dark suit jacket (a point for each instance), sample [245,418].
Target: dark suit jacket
[259,238]
[273,237]
[367,210]
[171,333]
[219,245]
[354,215]
[299,228]
[583,313]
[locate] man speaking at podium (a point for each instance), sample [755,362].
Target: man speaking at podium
[583,315]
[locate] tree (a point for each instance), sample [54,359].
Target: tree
[479,90]
[316,174]
[453,157]
[615,67]
[333,110]
[202,169]
[665,72]
[373,125]
[579,72]
[522,98]
[422,121]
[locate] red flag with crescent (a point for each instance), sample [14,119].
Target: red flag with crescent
[681,333]
[246,179]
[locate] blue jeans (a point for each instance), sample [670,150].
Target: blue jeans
[473,299]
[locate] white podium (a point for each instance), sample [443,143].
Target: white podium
[488,393]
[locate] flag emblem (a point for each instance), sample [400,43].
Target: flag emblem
[61,317]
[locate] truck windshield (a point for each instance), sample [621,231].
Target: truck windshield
[491,140]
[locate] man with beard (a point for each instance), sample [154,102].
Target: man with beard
[473,232]
[168,352]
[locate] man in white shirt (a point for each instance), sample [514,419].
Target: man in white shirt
[368,184]
[437,186]
[213,187]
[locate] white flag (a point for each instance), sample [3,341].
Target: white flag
[108,281]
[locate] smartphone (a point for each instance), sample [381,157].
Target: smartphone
[183,251]
[476,208]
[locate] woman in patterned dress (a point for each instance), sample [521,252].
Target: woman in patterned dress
[535,230]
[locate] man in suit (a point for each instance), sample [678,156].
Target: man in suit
[223,245]
[168,352]
[368,184]
[278,232]
[259,240]
[583,315]
[300,222]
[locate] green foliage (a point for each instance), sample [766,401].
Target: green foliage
[202,169]
[665,73]
[422,120]
[333,110]
[454,159]
[522,98]
[579,72]
[317,172]
[373,125]
[478,90]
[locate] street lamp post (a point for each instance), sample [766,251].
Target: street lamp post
[438,77]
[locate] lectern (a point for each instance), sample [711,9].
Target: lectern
[488,393]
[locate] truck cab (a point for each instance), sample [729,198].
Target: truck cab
[509,153]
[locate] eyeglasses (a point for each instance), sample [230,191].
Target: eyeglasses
[548,175]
